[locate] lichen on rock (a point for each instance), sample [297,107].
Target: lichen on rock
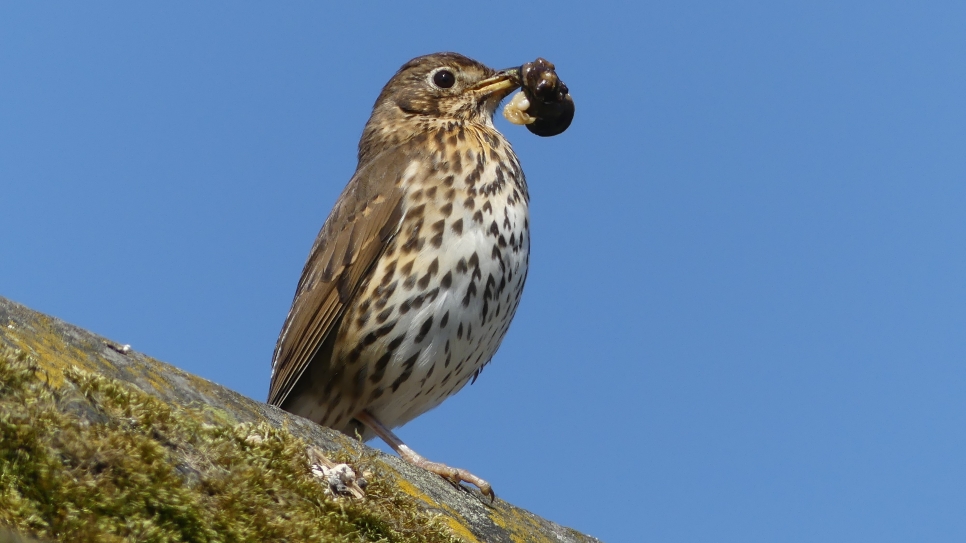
[106,444]
[97,460]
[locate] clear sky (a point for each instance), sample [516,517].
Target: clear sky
[745,313]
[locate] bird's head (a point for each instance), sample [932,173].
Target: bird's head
[433,90]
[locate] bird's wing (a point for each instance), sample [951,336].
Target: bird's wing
[366,216]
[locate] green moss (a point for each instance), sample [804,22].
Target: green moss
[95,460]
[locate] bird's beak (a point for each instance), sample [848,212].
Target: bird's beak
[499,85]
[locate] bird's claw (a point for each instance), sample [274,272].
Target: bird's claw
[456,476]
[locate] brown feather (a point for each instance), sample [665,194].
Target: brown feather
[364,219]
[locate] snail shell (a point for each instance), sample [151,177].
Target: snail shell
[550,103]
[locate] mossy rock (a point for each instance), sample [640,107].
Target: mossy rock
[102,444]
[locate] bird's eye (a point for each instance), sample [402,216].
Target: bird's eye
[444,79]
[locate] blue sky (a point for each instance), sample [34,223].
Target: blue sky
[745,313]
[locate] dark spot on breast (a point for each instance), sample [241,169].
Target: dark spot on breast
[458,227]
[470,292]
[500,178]
[384,329]
[475,264]
[499,256]
[353,355]
[469,203]
[383,315]
[423,282]
[443,321]
[413,244]
[487,207]
[369,339]
[407,268]
[461,266]
[384,294]
[390,271]
[437,240]
[407,371]
[459,331]
[447,209]
[394,344]
[473,177]
[424,329]
[380,367]
[447,280]
[478,217]
[494,229]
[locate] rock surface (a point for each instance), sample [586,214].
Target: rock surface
[58,346]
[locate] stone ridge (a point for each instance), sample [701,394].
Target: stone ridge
[58,347]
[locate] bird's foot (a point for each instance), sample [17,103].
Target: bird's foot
[454,475]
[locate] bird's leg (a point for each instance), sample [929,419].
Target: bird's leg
[452,474]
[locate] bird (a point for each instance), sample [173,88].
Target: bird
[416,274]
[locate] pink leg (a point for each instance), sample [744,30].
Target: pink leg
[452,474]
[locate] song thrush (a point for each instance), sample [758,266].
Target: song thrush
[418,270]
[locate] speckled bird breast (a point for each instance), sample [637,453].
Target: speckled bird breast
[442,295]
